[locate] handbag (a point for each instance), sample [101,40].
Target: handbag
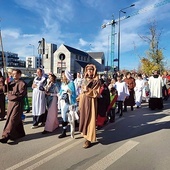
[65,97]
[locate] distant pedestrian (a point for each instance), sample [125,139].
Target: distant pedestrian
[155,86]
[123,93]
[140,83]
[78,83]
[130,101]
[10,76]
[112,83]
[112,107]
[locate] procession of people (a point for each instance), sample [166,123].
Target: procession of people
[92,98]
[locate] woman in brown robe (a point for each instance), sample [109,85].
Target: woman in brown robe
[17,90]
[88,104]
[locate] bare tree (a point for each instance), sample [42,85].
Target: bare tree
[154,55]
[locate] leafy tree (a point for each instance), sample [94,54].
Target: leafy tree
[154,55]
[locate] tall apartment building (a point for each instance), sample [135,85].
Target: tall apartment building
[33,62]
[11,60]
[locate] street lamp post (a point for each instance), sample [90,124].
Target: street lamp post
[32,49]
[121,10]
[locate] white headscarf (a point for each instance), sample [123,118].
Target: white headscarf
[68,75]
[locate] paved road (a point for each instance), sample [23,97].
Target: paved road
[139,140]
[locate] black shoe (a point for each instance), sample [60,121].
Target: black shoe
[137,107]
[121,115]
[42,124]
[45,132]
[111,120]
[4,140]
[28,111]
[131,108]
[63,134]
[99,127]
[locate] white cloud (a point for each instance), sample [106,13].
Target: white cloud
[12,33]
[57,16]
[82,42]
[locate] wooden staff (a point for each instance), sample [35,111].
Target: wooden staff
[4,61]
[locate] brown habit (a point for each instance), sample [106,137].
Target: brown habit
[14,127]
[88,108]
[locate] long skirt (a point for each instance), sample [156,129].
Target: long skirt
[130,101]
[52,116]
[101,120]
[155,103]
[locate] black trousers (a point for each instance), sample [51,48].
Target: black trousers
[111,115]
[39,119]
[120,106]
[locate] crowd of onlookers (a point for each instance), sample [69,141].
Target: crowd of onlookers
[91,100]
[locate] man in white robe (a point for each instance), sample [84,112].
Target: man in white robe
[138,90]
[155,86]
[123,92]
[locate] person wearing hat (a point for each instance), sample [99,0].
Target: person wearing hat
[67,97]
[88,105]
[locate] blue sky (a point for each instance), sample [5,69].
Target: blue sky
[77,23]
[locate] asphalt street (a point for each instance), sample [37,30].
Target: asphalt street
[139,140]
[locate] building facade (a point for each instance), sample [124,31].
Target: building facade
[33,62]
[11,60]
[74,60]
[48,57]
[98,59]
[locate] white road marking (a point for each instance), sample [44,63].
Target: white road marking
[113,156]
[48,158]
[40,154]
[164,119]
[37,164]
